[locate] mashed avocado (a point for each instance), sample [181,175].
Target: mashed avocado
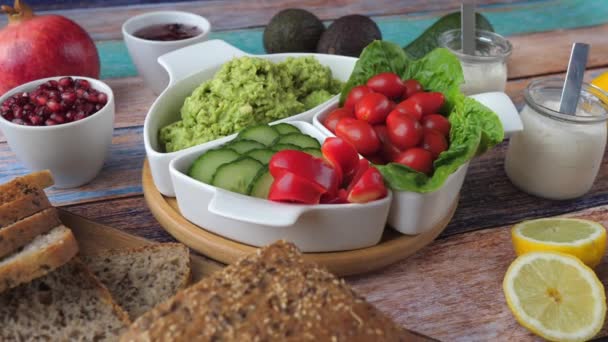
[249,91]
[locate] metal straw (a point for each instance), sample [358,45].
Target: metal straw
[467,23]
[574,78]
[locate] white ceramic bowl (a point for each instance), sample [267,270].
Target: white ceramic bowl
[258,222]
[145,53]
[414,213]
[188,68]
[75,151]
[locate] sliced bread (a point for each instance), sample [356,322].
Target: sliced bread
[272,295]
[68,304]
[21,185]
[45,253]
[24,231]
[141,278]
[29,203]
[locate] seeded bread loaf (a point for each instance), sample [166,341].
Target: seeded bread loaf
[21,185]
[24,231]
[68,304]
[273,295]
[41,256]
[30,202]
[141,278]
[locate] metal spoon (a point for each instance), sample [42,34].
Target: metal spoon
[467,24]
[574,78]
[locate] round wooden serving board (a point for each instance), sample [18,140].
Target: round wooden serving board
[393,247]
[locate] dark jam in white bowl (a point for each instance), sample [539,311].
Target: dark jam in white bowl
[168,32]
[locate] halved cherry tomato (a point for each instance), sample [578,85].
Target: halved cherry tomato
[341,154]
[387,83]
[355,94]
[332,119]
[369,187]
[373,108]
[359,133]
[411,108]
[434,142]
[403,130]
[417,158]
[430,102]
[363,166]
[289,187]
[437,122]
[388,151]
[411,87]
[304,165]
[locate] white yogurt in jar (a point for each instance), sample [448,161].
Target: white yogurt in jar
[483,77]
[554,157]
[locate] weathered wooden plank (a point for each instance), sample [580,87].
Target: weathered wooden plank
[452,289]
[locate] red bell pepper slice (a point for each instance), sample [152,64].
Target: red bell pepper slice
[339,198]
[306,166]
[341,154]
[289,187]
[369,187]
[363,166]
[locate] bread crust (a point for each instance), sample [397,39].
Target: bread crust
[30,202]
[24,231]
[12,190]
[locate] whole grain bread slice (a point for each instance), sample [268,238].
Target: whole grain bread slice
[29,203]
[21,185]
[68,304]
[24,231]
[41,256]
[272,295]
[141,278]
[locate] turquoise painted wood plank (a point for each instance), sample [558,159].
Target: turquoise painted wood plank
[535,16]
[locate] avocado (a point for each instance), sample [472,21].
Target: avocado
[428,40]
[349,35]
[293,30]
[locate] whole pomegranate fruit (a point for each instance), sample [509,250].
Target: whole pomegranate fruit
[34,47]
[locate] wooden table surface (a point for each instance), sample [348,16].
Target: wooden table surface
[451,289]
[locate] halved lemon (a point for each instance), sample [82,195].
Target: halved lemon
[555,296]
[583,239]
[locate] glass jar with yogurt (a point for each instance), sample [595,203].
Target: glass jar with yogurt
[486,70]
[558,156]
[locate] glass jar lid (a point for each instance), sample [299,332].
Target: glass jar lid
[544,97]
[490,46]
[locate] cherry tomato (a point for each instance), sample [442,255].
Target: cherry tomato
[355,94]
[373,108]
[430,102]
[369,187]
[410,108]
[289,187]
[411,87]
[403,130]
[332,119]
[359,133]
[388,84]
[388,151]
[341,154]
[417,159]
[434,142]
[437,122]
[304,165]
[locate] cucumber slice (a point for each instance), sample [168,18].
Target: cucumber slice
[263,134]
[299,139]
[285,128]
[261,184]
[238,175]
[315,152]
[281,147]
[205,166]
[262,155]
[244,146]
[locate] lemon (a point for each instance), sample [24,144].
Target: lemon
[601,81]
[583,239]
[555,296]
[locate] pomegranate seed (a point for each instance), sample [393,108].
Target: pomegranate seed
[91,97]
[84,84]
[54,95]
[69,96]
[35,120]
[53,106]
[80,92]
[58,118]
[69,116]
[66,82]
[98,107]
[28,107]
[8,116]
[18,112]
[102,98]
[50,122]
[41,100]
[79,116]
[18,121]
[52,84]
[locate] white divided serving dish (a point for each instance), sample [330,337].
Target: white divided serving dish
[258,222]
[188,68]
[413,213]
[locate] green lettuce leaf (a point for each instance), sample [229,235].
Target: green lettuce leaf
[475,128]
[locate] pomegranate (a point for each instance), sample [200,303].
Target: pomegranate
[34,47]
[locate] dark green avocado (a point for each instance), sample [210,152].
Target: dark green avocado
[293,30]
[349,35]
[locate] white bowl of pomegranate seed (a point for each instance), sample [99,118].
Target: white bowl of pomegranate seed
[63,124]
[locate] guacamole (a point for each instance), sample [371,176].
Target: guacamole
[248,91]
